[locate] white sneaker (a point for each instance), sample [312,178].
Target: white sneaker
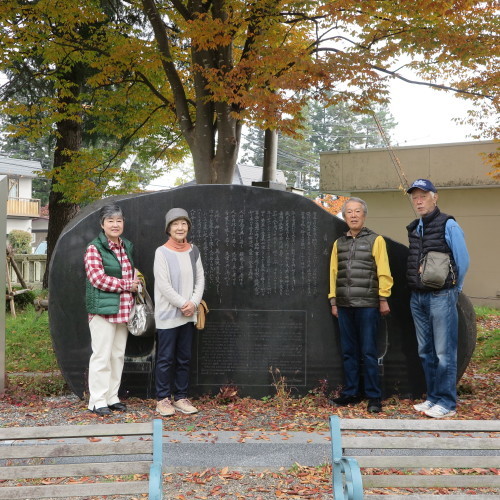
[165,408]
[426,405]
[438,411]
[185,406]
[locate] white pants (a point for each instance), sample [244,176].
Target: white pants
[106,363]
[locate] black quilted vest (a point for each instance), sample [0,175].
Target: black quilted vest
[433,240]
[357,280]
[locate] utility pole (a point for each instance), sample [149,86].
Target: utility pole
[270,155]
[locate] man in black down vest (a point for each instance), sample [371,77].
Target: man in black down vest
[360,282]
[434,310]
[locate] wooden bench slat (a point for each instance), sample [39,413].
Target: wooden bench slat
[71,490]
[417,451]
[431,425]
[433,481]
[426,462]
[75,450]
[74,470]
[421,496]
[429,443]
[32,445]
[62,431]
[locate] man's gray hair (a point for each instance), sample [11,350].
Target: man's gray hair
[110,210]
[358,200]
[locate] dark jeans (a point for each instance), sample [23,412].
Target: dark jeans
[172,361]
[358,340]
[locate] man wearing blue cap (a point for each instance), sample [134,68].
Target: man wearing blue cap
[434,307]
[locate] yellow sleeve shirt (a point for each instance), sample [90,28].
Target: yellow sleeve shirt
[379,252]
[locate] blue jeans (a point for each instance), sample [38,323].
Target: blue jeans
[358,340]
[173,360]
[436,324]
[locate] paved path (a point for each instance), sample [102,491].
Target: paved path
[253,450]
[257,450]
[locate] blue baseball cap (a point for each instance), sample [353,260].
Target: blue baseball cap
[423,184]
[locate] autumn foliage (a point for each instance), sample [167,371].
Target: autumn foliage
[331,203]
[157,76]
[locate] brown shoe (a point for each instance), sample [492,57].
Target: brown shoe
[185,406]
[165,408]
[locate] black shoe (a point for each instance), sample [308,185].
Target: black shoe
[345,400]
[118,407]
[374,405]
[102,411]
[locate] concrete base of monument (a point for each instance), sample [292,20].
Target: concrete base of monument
[270,185]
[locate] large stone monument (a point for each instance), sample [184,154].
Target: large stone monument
[266,257]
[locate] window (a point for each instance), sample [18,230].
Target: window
[13,188]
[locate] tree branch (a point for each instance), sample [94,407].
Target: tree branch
[125,142]
[394,74]
[180,100]
[181,9]
[432,85]
[143,79]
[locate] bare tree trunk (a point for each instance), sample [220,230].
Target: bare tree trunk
[213,135]
[60,213]
[216,166]
[69,138]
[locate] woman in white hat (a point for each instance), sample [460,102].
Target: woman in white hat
[179,284]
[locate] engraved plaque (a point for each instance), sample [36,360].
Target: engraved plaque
[241,347]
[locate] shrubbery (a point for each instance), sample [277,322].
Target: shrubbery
[21,301]
[20,241]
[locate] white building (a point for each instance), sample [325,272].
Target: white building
[22,209]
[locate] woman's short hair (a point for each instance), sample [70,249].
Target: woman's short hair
[110,210]
[358,200]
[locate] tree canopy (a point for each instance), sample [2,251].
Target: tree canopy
[68,65]
[160,74]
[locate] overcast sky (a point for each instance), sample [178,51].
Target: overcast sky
[425,115]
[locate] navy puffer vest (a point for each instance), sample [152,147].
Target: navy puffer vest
[433,240]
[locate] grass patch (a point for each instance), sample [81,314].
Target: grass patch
[32,386]
[486,354]
[483,312]
[31,365]
[28,343]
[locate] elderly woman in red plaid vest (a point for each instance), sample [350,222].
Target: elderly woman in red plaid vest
[110,284]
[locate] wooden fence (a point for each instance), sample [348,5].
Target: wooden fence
[32,268]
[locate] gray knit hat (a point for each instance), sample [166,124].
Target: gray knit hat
[174,214]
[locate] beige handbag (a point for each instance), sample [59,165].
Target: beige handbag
[202,311]
[435,269]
